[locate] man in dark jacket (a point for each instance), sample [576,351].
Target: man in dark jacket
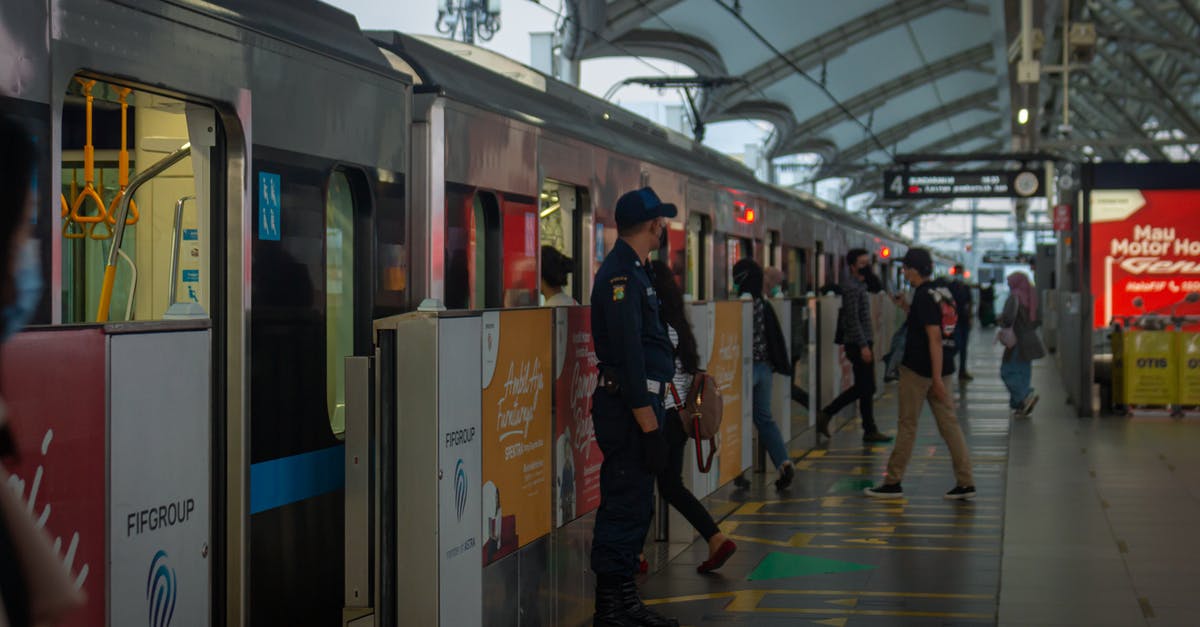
[770,357]
[855,330]
[963,303]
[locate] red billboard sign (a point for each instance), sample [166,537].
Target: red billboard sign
[1144,244]
[578,458]
[53,383]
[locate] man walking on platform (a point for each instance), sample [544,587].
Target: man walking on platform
[636,362]
[927,360]
[855,330]
[963,303]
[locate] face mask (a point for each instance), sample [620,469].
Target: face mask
[776,292]
[27,279]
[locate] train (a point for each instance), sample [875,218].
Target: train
[284,176]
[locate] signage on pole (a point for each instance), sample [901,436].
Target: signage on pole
[1062,217]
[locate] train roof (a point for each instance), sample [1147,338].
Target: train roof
[489,81]
[307,23]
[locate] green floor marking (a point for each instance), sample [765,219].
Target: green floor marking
[851,485]
[784,565]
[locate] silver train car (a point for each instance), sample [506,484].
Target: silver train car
[295,178]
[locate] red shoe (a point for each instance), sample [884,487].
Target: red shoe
[643,566]
[727,549]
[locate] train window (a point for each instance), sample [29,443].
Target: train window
[796,272]
[697,256]
[110,133]
[558,226]
[736,249]
[676,251]
[339,294]
[773,249]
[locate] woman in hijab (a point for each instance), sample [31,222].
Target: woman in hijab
[1020,317]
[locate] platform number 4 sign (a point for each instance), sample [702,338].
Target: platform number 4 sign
[896,186]
[269,206]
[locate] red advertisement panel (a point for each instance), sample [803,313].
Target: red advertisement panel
[1144,244]
[53,385]
[521,254]
[577,475]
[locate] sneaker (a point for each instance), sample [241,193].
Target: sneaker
[961,493]
[786,473]
[823,423]
[876,437]
[1029,403]
[885,491]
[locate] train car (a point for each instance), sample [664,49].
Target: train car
[278,179]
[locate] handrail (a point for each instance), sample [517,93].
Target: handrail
[123,164]
[171,290]
[89,172]
[110,268]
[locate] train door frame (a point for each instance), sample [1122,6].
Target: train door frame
[698,231]
[580,283]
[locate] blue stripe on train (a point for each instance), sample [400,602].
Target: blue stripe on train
[279,482]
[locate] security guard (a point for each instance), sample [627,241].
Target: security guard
[636,361]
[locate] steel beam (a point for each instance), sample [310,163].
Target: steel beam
[697,54]
[876,96]
[624,16]
[832,43]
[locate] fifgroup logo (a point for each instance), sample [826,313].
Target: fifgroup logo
[460,489]
[162,588]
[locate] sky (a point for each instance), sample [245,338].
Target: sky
[518,19]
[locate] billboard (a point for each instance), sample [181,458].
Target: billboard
[517,370]
[576,453]
[1143,244]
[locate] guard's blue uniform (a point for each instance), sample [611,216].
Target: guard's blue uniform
[631,341]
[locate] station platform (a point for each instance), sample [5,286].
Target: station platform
[1077,522]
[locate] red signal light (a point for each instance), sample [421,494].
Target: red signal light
[967,274]
[750,216]
[885,252]
[745,213]
[952,270]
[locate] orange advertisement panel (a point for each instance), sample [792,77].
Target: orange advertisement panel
[725,366]
[517,381]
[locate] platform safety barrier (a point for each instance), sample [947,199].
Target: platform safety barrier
[116,466]
[497,467]
[1156,368]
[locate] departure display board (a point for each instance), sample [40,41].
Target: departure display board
[917,184]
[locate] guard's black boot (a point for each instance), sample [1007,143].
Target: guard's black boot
[611,607]
[644,615]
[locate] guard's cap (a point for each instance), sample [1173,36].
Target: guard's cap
[920,260]
[640,206]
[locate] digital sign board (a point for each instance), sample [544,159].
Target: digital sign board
[918,184]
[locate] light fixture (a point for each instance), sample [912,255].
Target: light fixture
[1023,116]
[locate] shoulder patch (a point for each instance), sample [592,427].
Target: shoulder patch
[619,279]
[618,292]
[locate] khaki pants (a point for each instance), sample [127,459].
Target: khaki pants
[914,390]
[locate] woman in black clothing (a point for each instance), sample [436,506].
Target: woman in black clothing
[687,364]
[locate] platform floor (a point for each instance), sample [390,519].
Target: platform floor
[1078,522]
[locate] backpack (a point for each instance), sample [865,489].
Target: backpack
[701,413]
[947,305]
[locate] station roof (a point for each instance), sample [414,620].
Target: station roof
[860,81]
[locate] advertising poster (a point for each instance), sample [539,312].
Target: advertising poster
[725,365]
[460,466]
[1144,244]
[576,454]
[60,436]
[517,370]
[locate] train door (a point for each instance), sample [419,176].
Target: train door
[137,234]
[491,249]
[563,220]
[699,230]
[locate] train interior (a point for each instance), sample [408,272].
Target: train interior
[110,133]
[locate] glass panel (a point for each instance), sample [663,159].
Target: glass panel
[556,224]
[339,295]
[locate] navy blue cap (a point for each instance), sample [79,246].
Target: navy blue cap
[640,206]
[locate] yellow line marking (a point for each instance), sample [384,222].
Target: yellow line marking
[956,549]
[880,512]
[746,601]
[796,541]
[749,508]
[851,524]
[872,541]
[823,593]
[845,602]
[835,622]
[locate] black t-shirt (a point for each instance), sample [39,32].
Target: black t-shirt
[923,312]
